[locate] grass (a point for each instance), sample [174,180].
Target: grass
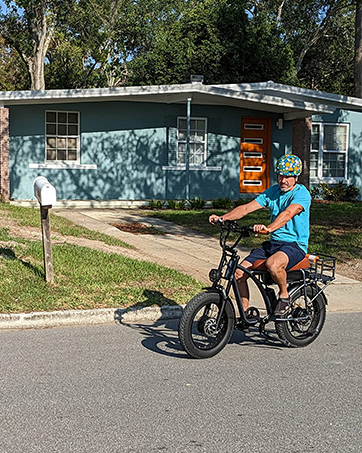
[30,217]
[84,279]
[336,228]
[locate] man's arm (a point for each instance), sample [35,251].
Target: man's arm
[282,219]
[237,213]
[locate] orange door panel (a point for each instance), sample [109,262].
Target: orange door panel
[254,154]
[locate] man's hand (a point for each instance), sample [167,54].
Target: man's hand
[214,218]
[261,229]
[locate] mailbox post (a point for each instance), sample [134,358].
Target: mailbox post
[46,196]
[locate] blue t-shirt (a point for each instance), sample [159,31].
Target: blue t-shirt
[297,229]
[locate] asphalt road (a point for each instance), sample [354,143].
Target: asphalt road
[132,389]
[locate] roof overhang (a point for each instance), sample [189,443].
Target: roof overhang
[286,101]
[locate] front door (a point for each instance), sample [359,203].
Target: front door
[254,154]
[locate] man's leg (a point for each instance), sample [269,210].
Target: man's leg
[241,279]
[276,265]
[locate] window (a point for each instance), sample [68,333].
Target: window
[329,145]
[62,136]
[197,141]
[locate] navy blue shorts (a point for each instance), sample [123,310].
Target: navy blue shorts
[268,248]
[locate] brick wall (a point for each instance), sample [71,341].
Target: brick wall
[302,129]
[4,154]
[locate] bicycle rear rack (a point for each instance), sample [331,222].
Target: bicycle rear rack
[323,269]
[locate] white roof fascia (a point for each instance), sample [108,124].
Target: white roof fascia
[337,100]
[163,93]
[271,100]
[49,96]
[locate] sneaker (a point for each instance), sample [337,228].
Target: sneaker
[243,327]
[282,307]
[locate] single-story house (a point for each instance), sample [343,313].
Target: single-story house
[174,141]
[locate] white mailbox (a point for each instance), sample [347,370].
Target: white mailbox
[44,191]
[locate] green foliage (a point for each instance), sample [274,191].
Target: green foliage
[156,204]
[85,279]
[241,201]
[337,192]
[177,205]
[222,203]
[97,43]
[197,203]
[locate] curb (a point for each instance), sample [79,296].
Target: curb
[37,320]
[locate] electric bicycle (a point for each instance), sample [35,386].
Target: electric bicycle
[209,318]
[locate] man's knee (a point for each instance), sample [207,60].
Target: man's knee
[276,263]
[240,275]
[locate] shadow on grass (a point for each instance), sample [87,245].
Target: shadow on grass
[161,336]
[9,254]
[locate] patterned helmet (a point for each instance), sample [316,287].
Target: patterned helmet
[289,165]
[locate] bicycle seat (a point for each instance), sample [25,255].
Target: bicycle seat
[259,265]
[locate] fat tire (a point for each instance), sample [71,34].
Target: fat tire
[185,330]
[284,328]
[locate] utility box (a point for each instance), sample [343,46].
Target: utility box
[44,192]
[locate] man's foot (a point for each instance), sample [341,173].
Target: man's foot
[282,307]
[242,326]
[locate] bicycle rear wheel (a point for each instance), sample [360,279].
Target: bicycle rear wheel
[301,333]
[198,333]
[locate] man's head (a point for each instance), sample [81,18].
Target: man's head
[288,168]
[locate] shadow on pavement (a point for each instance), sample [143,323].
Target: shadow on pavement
[162,337]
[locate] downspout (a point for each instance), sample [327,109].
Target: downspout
[188,148]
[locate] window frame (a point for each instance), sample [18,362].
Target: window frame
[192,165]
[58,162]
[320,154]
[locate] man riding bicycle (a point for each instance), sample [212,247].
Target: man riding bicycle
[289,206]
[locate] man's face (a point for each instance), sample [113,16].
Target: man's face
[287,183]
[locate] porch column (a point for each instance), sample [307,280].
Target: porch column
[187,192]
[4,154]
[302,129]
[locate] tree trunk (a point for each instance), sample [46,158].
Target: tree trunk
[358,52]
[37,71]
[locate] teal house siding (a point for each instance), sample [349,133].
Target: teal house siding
[354,156]
[133,145]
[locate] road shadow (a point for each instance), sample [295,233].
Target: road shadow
[161,335]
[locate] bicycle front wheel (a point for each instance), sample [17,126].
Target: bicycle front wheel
[300,333]
[199,334]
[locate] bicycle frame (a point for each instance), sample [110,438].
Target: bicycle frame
[230,258]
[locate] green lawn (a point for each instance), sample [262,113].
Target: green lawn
[84,278]
[336,228]
[30,217]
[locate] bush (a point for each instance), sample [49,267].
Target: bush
[197,203]
[177,205]
[158,204]
[241,201]
[352,192]
[222,203]
[337,192]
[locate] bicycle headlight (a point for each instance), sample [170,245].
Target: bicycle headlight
[214,275]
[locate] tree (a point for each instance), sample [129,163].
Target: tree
[216,39]
[320,36]
[12,69]
[358,51]
[28,27]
